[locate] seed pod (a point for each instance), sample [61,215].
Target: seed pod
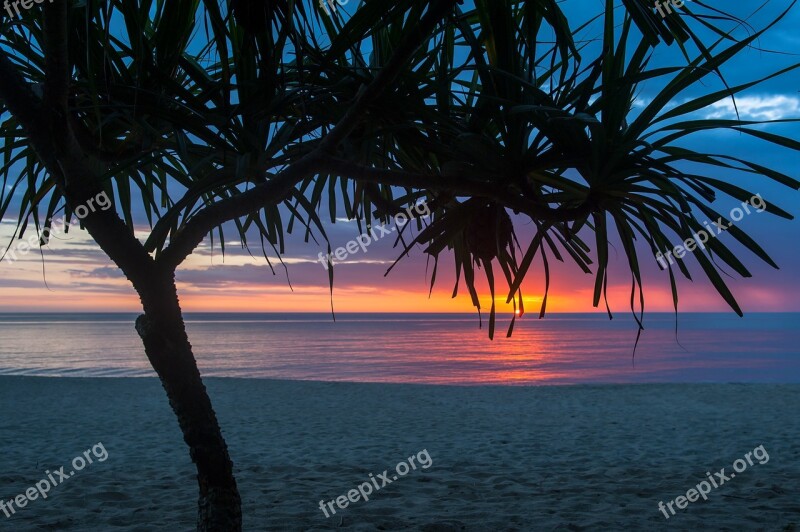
[489,230]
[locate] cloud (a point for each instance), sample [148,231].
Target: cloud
[773,107]
[107,272]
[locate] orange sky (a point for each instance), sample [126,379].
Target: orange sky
[76,276]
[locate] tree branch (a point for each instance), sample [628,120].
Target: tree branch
[276,190]
[272,192]
[461,186]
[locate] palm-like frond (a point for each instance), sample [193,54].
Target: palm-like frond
[568,136]
[182,106]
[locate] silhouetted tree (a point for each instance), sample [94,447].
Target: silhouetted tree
[191,119]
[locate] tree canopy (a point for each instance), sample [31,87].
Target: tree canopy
[200,117]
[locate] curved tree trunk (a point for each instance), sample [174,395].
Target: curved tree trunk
[163,333]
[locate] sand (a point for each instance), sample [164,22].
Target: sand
[516,458]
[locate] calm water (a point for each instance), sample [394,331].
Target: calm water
[437,349]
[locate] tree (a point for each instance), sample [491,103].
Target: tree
[198,117]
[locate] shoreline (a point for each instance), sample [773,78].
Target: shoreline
[548,384]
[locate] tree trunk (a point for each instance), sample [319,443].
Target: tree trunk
[163,333]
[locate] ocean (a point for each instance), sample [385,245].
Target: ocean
[421,348]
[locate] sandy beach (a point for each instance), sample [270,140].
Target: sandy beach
[502,458]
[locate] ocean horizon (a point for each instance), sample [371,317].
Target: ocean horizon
[449,349]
